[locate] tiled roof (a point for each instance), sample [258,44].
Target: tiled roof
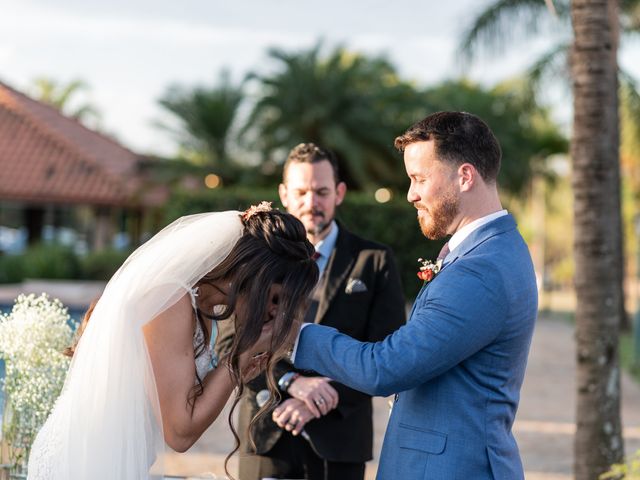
[47,157]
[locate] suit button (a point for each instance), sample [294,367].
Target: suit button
[395,398]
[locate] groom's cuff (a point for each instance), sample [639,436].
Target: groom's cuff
[295,345]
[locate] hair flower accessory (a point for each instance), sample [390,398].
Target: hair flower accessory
[253,209]
[428,270]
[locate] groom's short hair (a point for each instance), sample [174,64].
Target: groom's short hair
[459,137]
[311,153]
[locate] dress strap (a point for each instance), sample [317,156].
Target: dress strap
[193,293]
[212,343]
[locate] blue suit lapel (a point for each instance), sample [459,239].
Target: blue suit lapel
[499,225]
[496,227]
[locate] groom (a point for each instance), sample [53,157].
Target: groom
[457,366]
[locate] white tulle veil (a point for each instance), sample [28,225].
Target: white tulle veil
[108,412]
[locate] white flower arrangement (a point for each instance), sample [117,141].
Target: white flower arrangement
[32,338]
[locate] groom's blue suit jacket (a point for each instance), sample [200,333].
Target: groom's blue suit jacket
[457,365]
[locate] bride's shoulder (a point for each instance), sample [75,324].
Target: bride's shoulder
[178,316]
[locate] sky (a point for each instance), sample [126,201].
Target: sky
[130,52]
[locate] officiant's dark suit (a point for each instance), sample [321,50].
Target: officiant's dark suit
[359,293]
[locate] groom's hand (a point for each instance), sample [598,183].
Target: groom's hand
[316,393]
[292,415]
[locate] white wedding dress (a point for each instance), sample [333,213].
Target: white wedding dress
[106,423]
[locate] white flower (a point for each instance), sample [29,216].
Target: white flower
[32,338]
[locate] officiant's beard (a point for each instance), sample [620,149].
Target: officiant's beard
[320,227]
[439,216]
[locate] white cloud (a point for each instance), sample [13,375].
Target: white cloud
[7,54]
[25,21]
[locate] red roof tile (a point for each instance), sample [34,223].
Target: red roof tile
[47,157]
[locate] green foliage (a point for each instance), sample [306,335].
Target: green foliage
[205,116]
[58,262]
[11,268]
[348,102]
[627,355]
[630,133]
[40,261]
[501,22]
[624,471]
[61,96]
[101,265]
[355,105]
[506,23]
[238,198]
[523,128]
[393,223]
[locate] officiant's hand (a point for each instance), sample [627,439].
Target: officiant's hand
[292,415]
[316,393]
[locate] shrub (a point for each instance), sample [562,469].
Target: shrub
[11,268]
[51,261]
[40,261]
[101,265]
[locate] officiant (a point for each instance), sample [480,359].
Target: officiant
[323,430]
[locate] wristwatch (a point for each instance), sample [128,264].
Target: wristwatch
[286,380]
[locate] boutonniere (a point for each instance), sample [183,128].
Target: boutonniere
[428,270]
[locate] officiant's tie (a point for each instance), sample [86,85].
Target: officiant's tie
[316,295]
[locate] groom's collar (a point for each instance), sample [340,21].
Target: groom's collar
[495,226]
[468,229]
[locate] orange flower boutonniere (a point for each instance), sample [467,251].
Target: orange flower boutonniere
[428,270]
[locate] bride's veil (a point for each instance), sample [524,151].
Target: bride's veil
[109,410]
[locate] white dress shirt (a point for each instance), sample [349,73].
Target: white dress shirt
[458,237]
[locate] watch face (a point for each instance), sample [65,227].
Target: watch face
[262,397]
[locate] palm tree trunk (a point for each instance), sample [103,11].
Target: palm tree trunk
[597,217]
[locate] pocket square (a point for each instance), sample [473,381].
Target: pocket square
[355,285]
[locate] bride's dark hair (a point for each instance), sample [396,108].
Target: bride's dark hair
[273,249]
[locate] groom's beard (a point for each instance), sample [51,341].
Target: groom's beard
[435,224]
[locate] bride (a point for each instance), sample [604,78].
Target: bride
[143,372]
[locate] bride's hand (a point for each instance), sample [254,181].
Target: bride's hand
[263,344]
[253,367]
[254,360]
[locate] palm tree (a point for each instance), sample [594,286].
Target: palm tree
[61,96]
[500,23]
[598,244]
[205,118]
[344,101]
[595,157]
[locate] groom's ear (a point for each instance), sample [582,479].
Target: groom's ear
[467,176]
